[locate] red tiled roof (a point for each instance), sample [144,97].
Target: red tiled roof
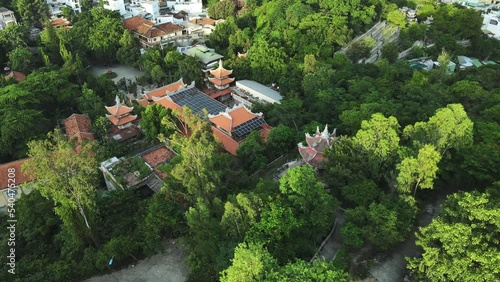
[158,157]
[221,72]
[233,118]
[203,21]
[116,121]
[168,104]
[168,27]
[59,22]
[78,126]
[19,178]
[142,102]
[133,23]
[119,110]
[18,76]
[162,91]
[221,82]
[229,143]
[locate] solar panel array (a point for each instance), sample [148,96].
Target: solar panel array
[197,101]
[248,126]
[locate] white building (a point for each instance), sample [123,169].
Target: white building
[148,9]
[248,91]
[491,24]
[115,5]
[6,17]
[56,5]
[189,6]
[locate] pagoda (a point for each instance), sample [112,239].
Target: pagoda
[220,81]
[313,154]
[120,114]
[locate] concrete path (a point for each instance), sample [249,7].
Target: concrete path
[165,267]
[393,268]
[334,243]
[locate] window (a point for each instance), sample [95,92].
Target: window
[493,22]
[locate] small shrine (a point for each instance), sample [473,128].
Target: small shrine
[120,114]
[313,153]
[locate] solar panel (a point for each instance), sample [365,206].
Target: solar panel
[248,126]
[197,101]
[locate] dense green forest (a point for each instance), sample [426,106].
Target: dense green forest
[406,138]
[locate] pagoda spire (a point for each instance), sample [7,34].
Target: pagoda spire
[325,133]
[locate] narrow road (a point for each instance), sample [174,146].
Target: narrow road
[164,267]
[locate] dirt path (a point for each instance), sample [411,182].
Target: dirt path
[165,267]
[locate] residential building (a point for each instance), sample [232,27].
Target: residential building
[148,9]
[11,175]
[55,6]
[313,153]
[229,125]
[491,24]
[219,83]
[139,171]
[207,57]
[150,34]
[6,17]
[249,91]
[189,6]
[116,5]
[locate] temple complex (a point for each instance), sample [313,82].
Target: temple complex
[120,114]
[313,154]
[229,125]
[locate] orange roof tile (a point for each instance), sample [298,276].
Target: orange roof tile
[168,27]
[203,21]
[162,91]
[142,102]
[221,82]
[78,126]
[19,176]
[119,110]
[133,23]
[18,76]
[232,118]
[168,104]
[222,121]
[241,115]
[229,143]
[59,22]
[116,121]
[221,72]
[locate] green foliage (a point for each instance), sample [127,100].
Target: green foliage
[251,262]
[251,153]
[397,18]
[390,52]
[317,271]
[33,11]
[20,59]
[361,193]
[240,214]
[151,121]
[281,140]
[221,9]
[449,128]
[268,63]
[462,243]
[67,179]
[128,52]
[418,172]
[90,103]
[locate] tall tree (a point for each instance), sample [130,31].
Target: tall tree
[128,53]
[462,244]
[450,127]
[418,172]
[251,263]
[33,11]
[151,121]
[20,59]
[66,175]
